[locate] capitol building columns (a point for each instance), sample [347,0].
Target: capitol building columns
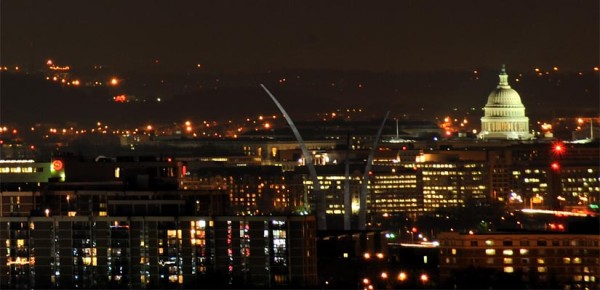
[504,114]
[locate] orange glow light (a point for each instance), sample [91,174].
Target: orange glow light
[120,98]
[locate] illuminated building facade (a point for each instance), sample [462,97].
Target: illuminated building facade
[543,260]
[533,175]
[28,173]
[332,180]
[570,187]
[157,252]
[555,176]
[398,191]
[448,181]
[254,191]
[389,190]
[504,116]
[452,184]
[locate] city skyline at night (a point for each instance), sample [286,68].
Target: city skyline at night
[410,144]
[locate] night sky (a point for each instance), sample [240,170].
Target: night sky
[256,36]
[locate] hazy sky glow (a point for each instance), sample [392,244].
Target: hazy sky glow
[276,35]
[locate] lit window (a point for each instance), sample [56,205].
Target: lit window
[508,269]
[490,252]
[541,269]
[508,260]
[567,260]
[540,261]
[523,251]
[508,252]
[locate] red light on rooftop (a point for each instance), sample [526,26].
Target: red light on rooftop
[555,166]
[558,148]
[57,165]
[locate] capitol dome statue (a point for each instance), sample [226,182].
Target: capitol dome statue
[504,114]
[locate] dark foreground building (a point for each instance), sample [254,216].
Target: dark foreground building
[157,252]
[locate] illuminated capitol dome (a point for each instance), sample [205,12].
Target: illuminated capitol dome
[504,114]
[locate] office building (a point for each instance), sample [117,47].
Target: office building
[539,259]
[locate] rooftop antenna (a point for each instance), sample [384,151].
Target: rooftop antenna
[320,198]
[362,214]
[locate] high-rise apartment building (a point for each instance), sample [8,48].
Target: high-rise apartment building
[139,252]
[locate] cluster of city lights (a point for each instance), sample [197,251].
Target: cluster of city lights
[61,75]
[402,276]
[452,125]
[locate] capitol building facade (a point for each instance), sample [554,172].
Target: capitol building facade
[504,114]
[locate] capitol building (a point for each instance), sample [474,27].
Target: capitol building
[504,114]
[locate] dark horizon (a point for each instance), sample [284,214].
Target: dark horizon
[389,36]
[304,94]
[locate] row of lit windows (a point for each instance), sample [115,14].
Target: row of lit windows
[396,181]
[429,165]
[581,189]
[435,201]
[395,200]
[540,242]
[393,186]
[395,205]
[437,187]
[582,179]
[396,177]
[539,261]
[439,172]
[21,169]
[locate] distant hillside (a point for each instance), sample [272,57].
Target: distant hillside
[29,99]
